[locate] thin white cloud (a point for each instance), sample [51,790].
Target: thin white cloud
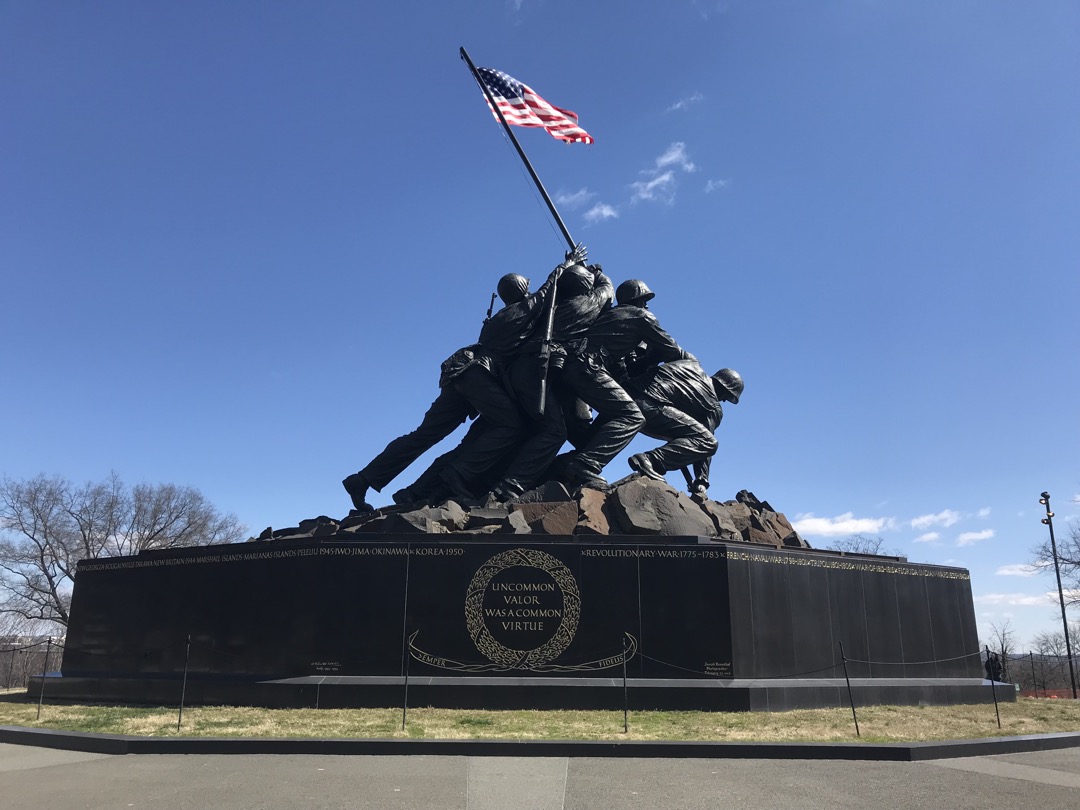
[660,188]
[1015,599]
[984,512]
[600,212]
[713,185]
[688,101]
[929,537]
[840,526]
[575,199]
[675,155]
[707,8]
[971,538]
[946,518]
[661,183]
[1017,570]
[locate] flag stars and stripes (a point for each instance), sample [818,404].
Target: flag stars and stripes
[524,107]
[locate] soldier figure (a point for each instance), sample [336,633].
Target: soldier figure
[681,404]
[581,295]
[591,376]
[468,386]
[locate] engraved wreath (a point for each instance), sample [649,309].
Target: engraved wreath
[474,609]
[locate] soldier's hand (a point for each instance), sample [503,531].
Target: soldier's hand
[556,273]
[577,255]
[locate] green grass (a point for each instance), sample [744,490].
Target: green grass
[877,723]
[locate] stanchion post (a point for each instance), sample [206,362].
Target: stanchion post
[405,640]
[851,698]
[625,699]
[44,669]
[11,669]
[405,697]
[993,685]
[1034,683]
[183,687]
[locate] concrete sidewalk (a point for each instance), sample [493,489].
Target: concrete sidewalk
[38,778]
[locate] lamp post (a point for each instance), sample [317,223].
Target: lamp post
[1049,521]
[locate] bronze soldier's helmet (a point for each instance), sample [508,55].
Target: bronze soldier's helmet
[512,288]
[728,381]
[574,282]
[634,291]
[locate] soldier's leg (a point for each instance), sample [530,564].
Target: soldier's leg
[578,417]
[545,434]
[618,418]
[688,441]
[449,410]
[429,487]
[484,447]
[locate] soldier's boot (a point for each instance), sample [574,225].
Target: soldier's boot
[641,463]
[411,496]
[357,486]
[505,490]
[578,474]
[456,485]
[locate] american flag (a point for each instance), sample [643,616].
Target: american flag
[523,107]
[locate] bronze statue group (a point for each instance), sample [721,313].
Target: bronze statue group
[542,366]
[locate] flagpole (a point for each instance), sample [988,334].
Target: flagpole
[521,152]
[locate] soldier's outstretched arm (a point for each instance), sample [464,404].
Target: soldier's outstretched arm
[603,290]
[576,256]
[535,301]
[662,346]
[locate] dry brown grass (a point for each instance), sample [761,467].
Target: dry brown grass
[877,723]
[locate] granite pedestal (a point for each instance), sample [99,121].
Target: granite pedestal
[519,621]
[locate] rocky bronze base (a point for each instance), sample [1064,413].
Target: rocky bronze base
[636,505]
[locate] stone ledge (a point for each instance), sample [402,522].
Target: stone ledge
[881,752]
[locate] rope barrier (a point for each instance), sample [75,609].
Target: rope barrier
[28,647]
[915,663]
[368,660]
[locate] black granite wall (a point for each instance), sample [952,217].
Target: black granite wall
[791,610]
[556,607]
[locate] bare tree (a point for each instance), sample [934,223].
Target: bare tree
[1051,644]
[1050,661]
[47,525]
[863,544]
[1002,638]
[1068,553]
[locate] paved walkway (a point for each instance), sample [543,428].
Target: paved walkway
[57,780]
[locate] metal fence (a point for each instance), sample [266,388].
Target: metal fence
[1038,675]
[22,657]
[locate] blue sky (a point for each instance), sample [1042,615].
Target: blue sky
[238,239]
